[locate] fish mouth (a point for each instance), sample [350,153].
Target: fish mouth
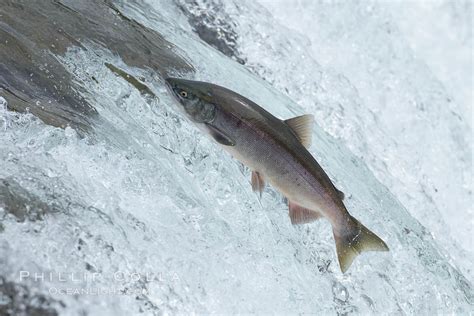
[169,83]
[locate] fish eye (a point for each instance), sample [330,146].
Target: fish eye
[183,93]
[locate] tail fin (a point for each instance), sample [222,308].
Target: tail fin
[354,239]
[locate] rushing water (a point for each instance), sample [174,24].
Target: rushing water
[111,202]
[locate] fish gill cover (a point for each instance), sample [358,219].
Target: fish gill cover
[111,202]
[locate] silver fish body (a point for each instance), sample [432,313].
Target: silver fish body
[267,145]
[274,150]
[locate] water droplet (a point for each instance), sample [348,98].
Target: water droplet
[3,102]
[69,132]
[340,292]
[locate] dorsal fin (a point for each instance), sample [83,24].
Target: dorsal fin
[302,127]
[340,194]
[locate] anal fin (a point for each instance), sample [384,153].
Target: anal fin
[301,215]
[258,182]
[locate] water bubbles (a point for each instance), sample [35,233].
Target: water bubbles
[32,143]
[69,132]
[5,115]
[340,292]
[50,172]
[150,193]
[3,102]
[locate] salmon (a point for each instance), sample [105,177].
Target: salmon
[277,153]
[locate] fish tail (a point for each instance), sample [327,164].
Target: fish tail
[353,239]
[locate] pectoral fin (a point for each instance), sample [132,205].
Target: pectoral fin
[302,127]
[219,136]
[258,182]
[301,215]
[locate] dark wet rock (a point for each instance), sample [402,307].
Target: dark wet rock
[213,26]
[17,299]
[33,33]
[34,81]
[16,200]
